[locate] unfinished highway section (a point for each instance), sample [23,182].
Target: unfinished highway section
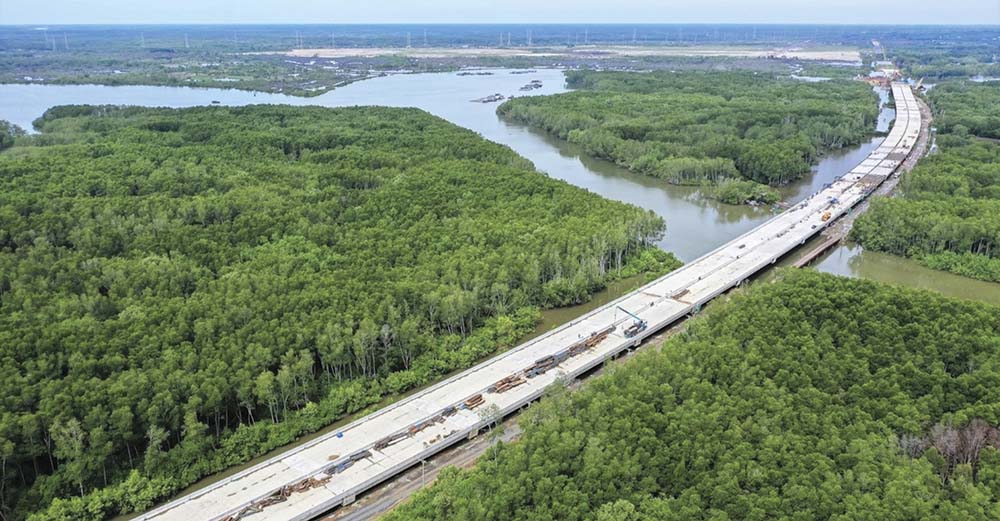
[332,470]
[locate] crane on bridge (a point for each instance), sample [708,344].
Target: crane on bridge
[637,327]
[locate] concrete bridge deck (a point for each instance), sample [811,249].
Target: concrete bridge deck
[660,303]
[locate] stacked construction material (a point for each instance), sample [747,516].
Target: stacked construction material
[506,384]
[474,401]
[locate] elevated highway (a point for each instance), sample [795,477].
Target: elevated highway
[332,470]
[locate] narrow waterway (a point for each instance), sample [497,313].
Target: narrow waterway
[851,260]
[694,225]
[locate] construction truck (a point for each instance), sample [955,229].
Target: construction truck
[637,327]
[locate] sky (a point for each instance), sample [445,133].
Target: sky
[500,11]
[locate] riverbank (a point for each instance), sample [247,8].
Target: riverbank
[663,198]
[694,225]
[838,232]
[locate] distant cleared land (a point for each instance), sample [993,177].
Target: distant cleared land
[820,53]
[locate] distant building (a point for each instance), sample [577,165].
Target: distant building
[885,73]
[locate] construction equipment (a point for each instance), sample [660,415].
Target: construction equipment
[637,327]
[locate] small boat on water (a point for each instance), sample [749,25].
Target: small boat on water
[535,84]
[493,98]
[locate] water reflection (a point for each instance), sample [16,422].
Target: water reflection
[694,225]
[852,260]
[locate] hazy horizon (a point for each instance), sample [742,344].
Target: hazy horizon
[524,12]
[480,23]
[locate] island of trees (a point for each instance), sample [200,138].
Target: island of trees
[739,134]
[949,215]
[815,397]
[183,290]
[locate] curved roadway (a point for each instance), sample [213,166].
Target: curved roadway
[319,475]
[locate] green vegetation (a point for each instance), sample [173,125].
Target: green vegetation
[843,72]
[949,215]
[816,397]
[933,62]
[9,132]
[204,66]
[740,191]
[691,128]
[253,57]
[967,108]
[191,56]
[183,290]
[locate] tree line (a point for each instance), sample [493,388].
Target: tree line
[9,132]
[183,290]
[962,107]
[948,59]
[814,397]
[949,215]
[705,128]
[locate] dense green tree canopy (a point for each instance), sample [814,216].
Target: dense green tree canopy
[947,58]
[949,215]
[181,290]
[966,107]
[697,127]
[815,397]
[9,131]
